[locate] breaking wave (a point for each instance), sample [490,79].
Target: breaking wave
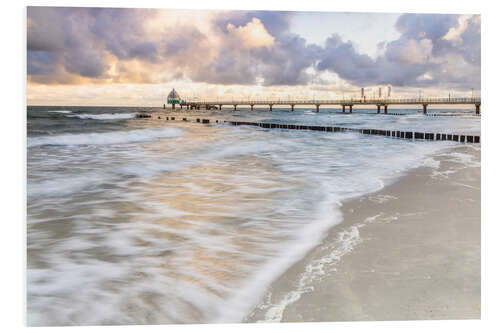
[105,116]
[108,138]
[60,111]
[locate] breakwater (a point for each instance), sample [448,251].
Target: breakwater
[408,135]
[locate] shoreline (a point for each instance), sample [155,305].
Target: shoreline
[410,251]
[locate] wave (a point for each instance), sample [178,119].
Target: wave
[105,116]
[108,138]
[60,111]
[207,154]
[326,215]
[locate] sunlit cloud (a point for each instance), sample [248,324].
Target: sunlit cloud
[254,34]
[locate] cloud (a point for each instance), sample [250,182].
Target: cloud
[59,44]
[410,51]
[425,26]
[75,45]
[277,23]
[121,32]
[254,34]
[87,64]
[421,57]
[287,63]
[41,62]
[109,45]
[183,41]
[282,62]
[468,44]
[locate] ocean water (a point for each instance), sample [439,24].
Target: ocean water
[147,221]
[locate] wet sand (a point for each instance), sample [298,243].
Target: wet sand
[408,252]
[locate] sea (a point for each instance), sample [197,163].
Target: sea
[153,221]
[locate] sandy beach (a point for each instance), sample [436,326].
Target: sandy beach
[408,252]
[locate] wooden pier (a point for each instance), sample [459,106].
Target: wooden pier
[343,103]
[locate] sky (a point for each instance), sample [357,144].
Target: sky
[134,57]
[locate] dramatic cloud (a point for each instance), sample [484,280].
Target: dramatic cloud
[410,51]
[254,34]
[58,38]
[433,49]
[284,62]
[68,45]
[105,45]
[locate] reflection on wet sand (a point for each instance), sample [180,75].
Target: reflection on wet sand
[209,213]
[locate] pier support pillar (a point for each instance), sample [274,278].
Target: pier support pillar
[350,108]
[251,107]
[293,106]
[478,109]
[385,109]
[270,107]
[163,106]
[343,108]
[317,107]
[234,107]
[378,108]
[173,106]
[220,107]
[425,108]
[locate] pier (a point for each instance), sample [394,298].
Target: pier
[346,104]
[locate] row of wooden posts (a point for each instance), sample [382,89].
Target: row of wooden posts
[390,133]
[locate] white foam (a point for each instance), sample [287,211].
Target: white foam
[60,111]
[381,198]
[467,160]
[239,305]
[107,138]
[216,151]
[460,160]
[105,116]
[61,186]
[346,242]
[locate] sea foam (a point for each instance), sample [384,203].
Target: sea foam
[105,116]
[107,138]
[59,111]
